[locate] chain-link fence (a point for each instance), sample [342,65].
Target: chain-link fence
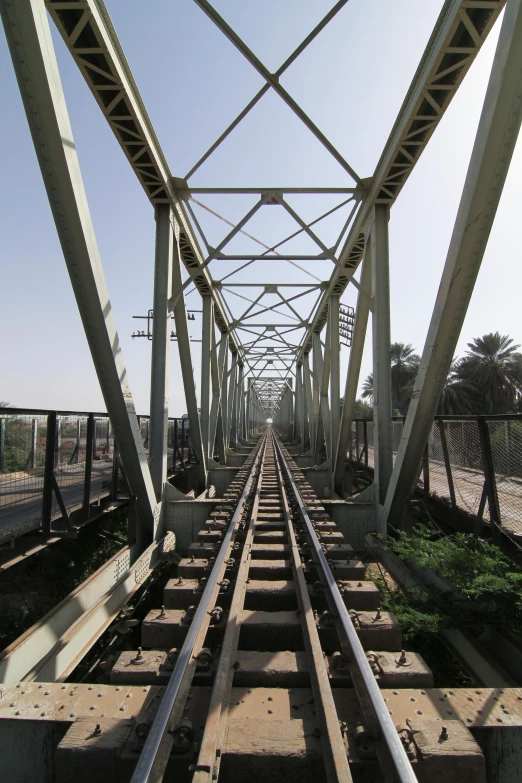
[472,463]
[53,465]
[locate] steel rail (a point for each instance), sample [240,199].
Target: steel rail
[147,770]
[401,764]
[209,759]
[334,753]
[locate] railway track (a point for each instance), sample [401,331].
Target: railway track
[270,659]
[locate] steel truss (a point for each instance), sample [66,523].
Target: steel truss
[264,353]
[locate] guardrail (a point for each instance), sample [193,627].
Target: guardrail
[471,463]
[55,465]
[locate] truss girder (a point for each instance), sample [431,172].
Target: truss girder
[458,35]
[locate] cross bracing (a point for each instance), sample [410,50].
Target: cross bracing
[274,299]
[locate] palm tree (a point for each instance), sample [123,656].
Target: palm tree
[458,396]
[494,366]
[367,389]
[404,365]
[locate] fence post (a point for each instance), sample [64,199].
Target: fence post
[34,437]
[115,473]
[94,445]
[365,436]
[447,464]
[357,442]
[183,442]
[2,444]
[50,456]
[426,473]
[489,475]
[107,448]
[58,447]
[89,450]
[175,444]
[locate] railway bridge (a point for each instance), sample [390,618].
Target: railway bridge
[268,654]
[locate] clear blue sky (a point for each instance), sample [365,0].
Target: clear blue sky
[351,81]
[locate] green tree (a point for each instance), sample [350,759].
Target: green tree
[458,396]
[493,366]
[404,365]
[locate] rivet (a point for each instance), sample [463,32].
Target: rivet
[42,714]
[17,712]
[40,687]
[91,688]
[118,689]
[47,693]
[100,695]
[92,707]
[72,715]
[500,720]
[270,712]
[37,706]
[419,712]
[449,712]
[23,692]
[14,704]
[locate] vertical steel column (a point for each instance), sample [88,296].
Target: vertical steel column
[352,375]
[382,398]
[240,405]
[299,405]
[307,382]
[231,420]
[224,401]
[187,371]
[207,328]
[217,368]
[248,411]
[30,43]
[494,144]
[159,373]
[335,371]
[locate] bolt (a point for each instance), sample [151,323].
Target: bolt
[139,655]
[402,657]
[443,734]
[378,615]
[162,614]
[97,730]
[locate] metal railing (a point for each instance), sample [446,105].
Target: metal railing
[54,465]
[471,463]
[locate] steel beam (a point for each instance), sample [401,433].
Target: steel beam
[218,368]
[446,60]
[207,327]
[185,358]
[377,232]
[29,38]
[335,371]
[160,361]
[352,375]
[494,144]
